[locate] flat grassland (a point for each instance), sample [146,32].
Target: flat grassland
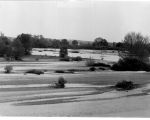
[86,93]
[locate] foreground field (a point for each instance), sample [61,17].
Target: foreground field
[86,93]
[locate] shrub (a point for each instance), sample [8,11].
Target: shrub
[125,85]
[101,64]
[8,68]
[75,51]
[65,59]
[130,64]
[35,71]
[90,62]
[78,58]
[59,71]
[92,68]
[61,83]
[65,71]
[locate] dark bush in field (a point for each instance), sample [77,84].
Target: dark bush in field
[35,71]
[75,51]
[130,64]
[91,62]
[65,59]
[65,71]
[92,68]
[125,85]
[61,83]
[101,64]
[78,58]
[8,68]
[59,71]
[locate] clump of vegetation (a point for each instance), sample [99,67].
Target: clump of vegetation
[92,68]
[130,64]
[125,85]
[101,64]
[75,51]
[65,71]
[35,71]
[65,59]
[59,71]
[78,58]
[61,83]
[63,53]
[8,68]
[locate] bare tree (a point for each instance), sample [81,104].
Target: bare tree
[137,46]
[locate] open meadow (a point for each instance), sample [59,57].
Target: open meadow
[87,93]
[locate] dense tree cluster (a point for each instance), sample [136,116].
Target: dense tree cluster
[22,45]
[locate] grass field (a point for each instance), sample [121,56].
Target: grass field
[86,93]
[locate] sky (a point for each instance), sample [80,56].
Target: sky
[75,19]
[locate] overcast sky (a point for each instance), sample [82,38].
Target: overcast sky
[75,19]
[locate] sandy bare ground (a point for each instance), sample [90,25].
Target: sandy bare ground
[86,93]
[82,102]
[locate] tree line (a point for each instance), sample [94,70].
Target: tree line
[22,45]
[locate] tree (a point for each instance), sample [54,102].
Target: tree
[5,44]
[75,44]
[17,49]
[137,46]
[63,48]
[38,41]
[26,41]
[64,43]
[100,43]
[55,43]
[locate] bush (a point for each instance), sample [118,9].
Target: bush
[65,59]
[35,71]
[130,64]
[101,64]
[65,71]
[78,58]
[75,51]
[90,62]
[59,71]
[61,83]
[125,85]
[92,68]
[8,68]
